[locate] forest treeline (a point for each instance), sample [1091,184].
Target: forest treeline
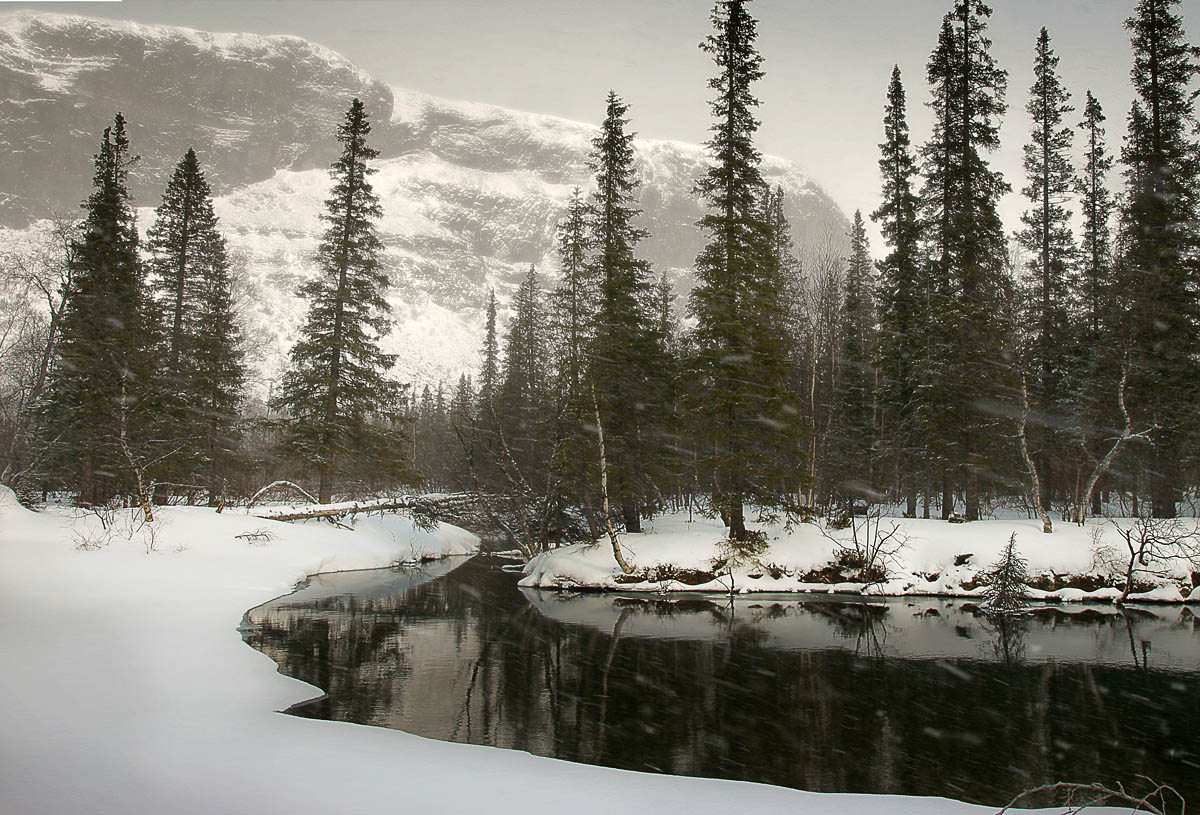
[967,366]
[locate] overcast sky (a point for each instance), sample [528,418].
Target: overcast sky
[827,62]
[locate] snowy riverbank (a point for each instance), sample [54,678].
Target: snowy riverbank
[128,689]
[937,558]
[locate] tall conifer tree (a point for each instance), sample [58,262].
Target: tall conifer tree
[741,405]
[854,430]
[902,318]
[1102,355]
[103,394]
[572,320]
[1096,261]
[1051,349]
[969,286]
[1159,268]
[489,375]
[342,408]
[204,368]
[522,398]
[625,348]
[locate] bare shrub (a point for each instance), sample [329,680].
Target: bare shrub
[1154,547]
[874,546]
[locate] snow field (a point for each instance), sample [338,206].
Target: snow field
[128,690]
[926,565]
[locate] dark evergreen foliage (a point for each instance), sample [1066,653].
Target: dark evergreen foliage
[204,371]
[742,411]
[341,409]
[1005,590]
[854,422]
[1050,348]
[1159,272]
[968,285]
[573,322]
[489,377]
[1102,355]
[103,401]
[903,301]
[625,352]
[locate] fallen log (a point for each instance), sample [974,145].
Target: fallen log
[427,508]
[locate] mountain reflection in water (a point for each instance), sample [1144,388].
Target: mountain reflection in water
[916,697]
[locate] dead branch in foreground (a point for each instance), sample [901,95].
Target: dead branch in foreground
[1078,797]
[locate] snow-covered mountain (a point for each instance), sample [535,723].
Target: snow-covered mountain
[471,192]
[249,104]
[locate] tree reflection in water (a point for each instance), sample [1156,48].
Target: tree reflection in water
[922,698]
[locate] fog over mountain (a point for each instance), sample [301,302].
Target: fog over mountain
[471,192]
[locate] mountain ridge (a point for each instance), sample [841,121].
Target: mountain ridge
[471,192]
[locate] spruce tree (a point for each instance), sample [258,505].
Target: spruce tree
[98,418]
[741,406]
[489,375]
[902,318]
[625,350]
[798,333]
[342,409]
[1096,201]
[1101,353]
[1005,590]
[968,284]
[460,421]
[1051,350]
[204,367]
[854,417]
[521,402]
[572,319]
[573,301]
[1159,267]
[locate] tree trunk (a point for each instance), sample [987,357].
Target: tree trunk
[325,491]
[1038,501]
[972,509]
[618,555]
[633,519]
[947,498]
[737,522]
[1163,503]
[911,508]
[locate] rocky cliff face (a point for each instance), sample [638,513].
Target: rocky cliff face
[249,104]
[471,193]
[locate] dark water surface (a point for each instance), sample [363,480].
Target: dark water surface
[921,697]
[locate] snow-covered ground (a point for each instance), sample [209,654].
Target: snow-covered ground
[127,689]
[937,558]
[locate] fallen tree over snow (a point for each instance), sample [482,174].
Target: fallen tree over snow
[424,509]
